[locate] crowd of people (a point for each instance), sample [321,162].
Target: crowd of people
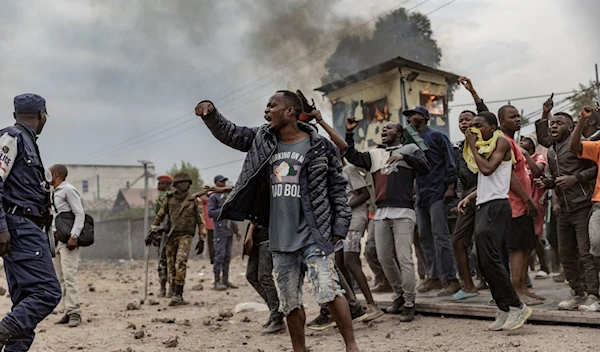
[478,208]
[484,207]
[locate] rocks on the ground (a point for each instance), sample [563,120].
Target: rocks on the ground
[206,322]
[92,289]
[134,292]
[198,287]
[437,334]
[153,302]
[172,342]
[134,305]
[139,334]
[131,326]
[164,320]
[185,322]
[248,307]
[246,320]
[2,291]
[225,313]
[89,320]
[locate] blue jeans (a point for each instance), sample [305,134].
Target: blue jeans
[435,241]
[289,270]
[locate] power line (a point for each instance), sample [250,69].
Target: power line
[271,81]
[513,99]
[277,70]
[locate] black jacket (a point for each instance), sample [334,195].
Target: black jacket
[563,161]
[322,186]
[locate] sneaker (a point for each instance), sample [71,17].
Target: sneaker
[373,312]
[429,285]
[408,312]
[322,322]
[359,316]
[396,306]
[63,320]
[276,326]
[573,303]
[450,288]
[266,325]
[501,317]
[560,277]
[74,320]
[590,305]
[541,275]
[517,317]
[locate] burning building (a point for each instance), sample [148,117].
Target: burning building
[380,93]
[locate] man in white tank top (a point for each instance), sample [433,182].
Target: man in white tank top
[491,221]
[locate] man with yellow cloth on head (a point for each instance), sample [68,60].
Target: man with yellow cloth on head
[493,215]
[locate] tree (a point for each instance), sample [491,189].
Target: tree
[198,183]
[585,95]
[398,34]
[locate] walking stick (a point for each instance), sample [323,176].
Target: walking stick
[147,264]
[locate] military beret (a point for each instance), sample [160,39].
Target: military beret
[165,178]
[29,103]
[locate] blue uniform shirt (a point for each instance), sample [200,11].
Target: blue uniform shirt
[22,175]
[431,187]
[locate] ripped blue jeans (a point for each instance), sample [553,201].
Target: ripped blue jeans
[289,269]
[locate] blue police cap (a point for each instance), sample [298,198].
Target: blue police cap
[29,103]
[417,110]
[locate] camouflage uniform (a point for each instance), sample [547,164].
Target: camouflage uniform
[183,226]
[162,256]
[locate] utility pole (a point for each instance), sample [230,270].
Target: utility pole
[597,85]
[147,248]
[146,176]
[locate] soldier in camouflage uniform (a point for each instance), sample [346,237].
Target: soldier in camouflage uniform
[185,213]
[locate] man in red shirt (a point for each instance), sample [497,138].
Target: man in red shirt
[536,164]
[520,241]
[210,227]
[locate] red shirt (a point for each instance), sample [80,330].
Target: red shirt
[537,194]
[208,222]
[519,208]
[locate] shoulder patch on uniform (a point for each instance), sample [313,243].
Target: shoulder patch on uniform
[8,154]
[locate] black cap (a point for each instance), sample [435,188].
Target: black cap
[220,178]
[417,110]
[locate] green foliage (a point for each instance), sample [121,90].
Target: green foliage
[198,183]
[399,33]
[585,95]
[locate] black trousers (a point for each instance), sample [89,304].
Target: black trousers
[491,223]
[259,275]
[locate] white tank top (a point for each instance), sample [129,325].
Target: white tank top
[495,186]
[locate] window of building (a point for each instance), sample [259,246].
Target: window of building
[85,186]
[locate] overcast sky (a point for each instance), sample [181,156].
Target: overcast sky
[122,77]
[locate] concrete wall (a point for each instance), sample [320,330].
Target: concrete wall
[124,239]
[111,177]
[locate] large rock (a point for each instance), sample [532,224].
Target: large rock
[251,307]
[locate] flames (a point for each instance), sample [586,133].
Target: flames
[430,105]
[382,115]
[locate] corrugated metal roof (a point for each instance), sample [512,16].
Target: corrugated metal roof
[385,67]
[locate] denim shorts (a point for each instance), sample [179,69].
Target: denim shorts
[288,273]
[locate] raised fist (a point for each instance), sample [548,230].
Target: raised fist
[204,108]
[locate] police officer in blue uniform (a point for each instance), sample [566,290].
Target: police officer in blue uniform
[24,208]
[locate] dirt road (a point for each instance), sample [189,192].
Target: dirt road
[109,326]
